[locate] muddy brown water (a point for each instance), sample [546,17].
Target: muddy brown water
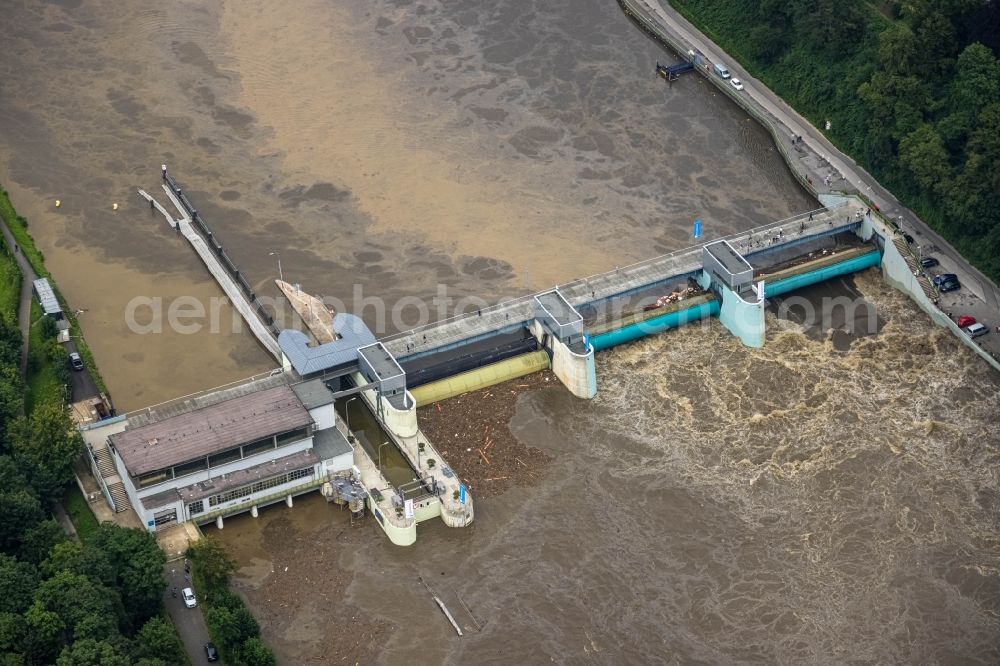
[827,499]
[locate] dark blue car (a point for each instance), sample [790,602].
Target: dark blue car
[949,285]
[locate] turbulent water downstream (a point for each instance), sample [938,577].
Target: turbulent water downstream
[826,499]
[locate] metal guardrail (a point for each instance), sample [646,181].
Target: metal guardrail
[198,394]
[96,471]
[584,282]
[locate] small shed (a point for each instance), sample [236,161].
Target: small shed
[47,298]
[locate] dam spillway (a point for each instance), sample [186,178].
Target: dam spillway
[630,302]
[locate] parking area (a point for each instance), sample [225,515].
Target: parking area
[967,301]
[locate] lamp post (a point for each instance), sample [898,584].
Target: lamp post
[347,415]
[380,454]
[275,254]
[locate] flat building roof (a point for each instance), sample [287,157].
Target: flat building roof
[46,296]
[727,255]
[558,308]
[202,432]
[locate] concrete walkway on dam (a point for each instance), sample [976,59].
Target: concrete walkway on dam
[666,270]
[815,158]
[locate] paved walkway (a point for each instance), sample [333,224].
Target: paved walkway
[236,297]
[190,622]
[819,159]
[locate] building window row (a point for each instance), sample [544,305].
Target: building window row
[258,486]
[223,457]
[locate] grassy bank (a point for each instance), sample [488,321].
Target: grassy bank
[10,284]
[18,226]
[47,371]
[79,512]
[908,92]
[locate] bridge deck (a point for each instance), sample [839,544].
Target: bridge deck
[664,269]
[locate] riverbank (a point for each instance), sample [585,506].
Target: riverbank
[17,226]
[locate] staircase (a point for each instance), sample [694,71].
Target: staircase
[118,494]
[104,463]
[904,250]
[109,477]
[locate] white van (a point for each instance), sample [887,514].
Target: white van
[975,330]
[722,71]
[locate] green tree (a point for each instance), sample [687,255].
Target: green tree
[212,564]
[18,581]
[89,652]
[13,630]
[766,42]
[137,561]
[897,47]
[78,601]
[923,153]
[18,511]
[256,653]
[976,85]
[936,46]
[10,343]
[232,628]
[11,397]
[40,538]
[44,445]
[48,327]
[11,478]
[157,639]
[44,637]
[78,558]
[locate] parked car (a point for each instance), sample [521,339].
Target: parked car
[721,70]
[189,599]
[966,320]
[929,262]
[976,330]
[210,652]
[736,83]
[75,361]
[944,277]
[908,238]
[950,285]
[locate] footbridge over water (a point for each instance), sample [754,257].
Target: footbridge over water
[570,322]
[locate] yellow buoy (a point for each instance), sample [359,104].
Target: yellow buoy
[114,206]
[58,203]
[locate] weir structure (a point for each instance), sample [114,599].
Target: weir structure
[563,327]
[391,466]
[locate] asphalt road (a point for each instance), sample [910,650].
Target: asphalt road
[190,622]
[81,382]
